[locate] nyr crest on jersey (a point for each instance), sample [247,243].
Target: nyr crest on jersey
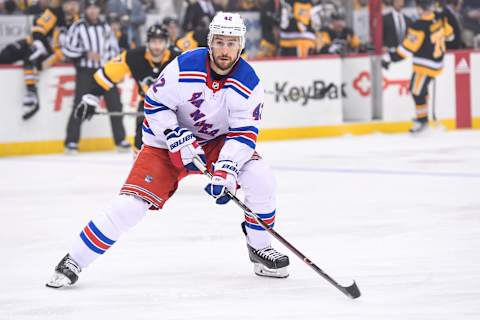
[197,115]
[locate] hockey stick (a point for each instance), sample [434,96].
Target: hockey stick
[119,114]
[351,291]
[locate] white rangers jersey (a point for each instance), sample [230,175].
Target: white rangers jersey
[185,95]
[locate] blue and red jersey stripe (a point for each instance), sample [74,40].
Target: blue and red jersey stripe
[94,239]
[268,218]
[246,135]
[151,106]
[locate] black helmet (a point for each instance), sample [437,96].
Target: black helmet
[157,31]
[425,4]
[88,3]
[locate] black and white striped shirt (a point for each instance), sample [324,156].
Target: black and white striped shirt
[83,37]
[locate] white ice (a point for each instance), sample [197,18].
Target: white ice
[400,215]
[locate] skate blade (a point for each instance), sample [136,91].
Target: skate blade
[261,270]
[58,281]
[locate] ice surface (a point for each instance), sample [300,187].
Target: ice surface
[400,215]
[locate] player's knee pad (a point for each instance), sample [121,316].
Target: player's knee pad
[258,184]
[126,211]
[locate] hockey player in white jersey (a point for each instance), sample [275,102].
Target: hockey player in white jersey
[206,103]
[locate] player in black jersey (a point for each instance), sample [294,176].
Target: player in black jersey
[425,43]
[144,64]
[41,48]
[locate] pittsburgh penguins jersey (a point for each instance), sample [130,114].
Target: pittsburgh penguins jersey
[344,40]
[186,95]
[296,24]
[192,40]
[136,62]
[45,24]
[425,43]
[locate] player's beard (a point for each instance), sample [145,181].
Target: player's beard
[223,64]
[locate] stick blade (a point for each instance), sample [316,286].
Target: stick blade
[352,291]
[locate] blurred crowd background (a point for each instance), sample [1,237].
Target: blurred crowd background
[276,27]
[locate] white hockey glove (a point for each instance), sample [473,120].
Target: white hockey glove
[224,177]
[87,107]
[38,50]
[183,148]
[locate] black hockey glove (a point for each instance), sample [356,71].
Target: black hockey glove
[87,107]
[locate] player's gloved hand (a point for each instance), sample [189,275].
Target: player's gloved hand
[38,50]
[386,60]
[224,178]
[87,107]
[183,148]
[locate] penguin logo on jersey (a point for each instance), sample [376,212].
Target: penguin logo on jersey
[146,83]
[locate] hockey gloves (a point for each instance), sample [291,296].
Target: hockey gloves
[87,107]
[183,148]
[224,178]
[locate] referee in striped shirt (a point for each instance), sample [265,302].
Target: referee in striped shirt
[90,43]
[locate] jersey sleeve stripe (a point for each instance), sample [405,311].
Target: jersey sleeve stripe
[102,80]
[192,76]
[192,80]
[152,106]
[239,85]
[403,52]
[153,103]
[245,129]
[146,127]
[243,140]
[247,135]
[246,96]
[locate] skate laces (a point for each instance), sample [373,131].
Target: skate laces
[70,264]
[269,253]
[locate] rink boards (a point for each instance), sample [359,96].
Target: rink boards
[304,98]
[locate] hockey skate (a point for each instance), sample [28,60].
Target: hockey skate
[267,262]
[71,148]
[66,273]
[30,105]
[419,125]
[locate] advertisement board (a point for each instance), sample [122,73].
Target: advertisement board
[293,92]
[13,28]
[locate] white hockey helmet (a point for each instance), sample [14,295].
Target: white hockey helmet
[227,24]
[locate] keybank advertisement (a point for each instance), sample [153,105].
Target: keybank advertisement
[301,92]
[298,93]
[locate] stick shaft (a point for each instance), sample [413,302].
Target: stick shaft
[351,291]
